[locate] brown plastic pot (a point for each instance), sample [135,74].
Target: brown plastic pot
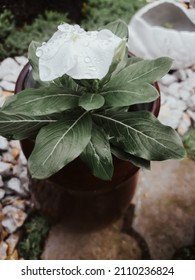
[73,194]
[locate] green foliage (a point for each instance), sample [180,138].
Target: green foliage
[189,143]
[7,24]
[16,41]
[99,13]
[90,119]
[185,253]
[35,233]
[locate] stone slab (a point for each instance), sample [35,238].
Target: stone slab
[165,207]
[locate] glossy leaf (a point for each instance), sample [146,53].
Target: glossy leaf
[97,155]
[58,144]
[91,101]
[19,127]
[144,71]
[41,101]
[142,135]
[137,161]
[129,94]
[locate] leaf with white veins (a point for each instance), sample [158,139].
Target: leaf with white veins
[142,135]
[19,127]
[97,155]
[137,161]
[58,144]
[41,101]
[148,71]
[129,94]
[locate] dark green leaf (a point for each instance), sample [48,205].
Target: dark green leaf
[20,127]
[118,27]
[137,161]
[144,71]
[41,101]
[58,144]
[142,135]
[67,82]
[91,101]
[129,94]
[97,155]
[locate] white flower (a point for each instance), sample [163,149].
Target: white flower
[77,53]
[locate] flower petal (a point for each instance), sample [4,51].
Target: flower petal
[95,53]
[77,53]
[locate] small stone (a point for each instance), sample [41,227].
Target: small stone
[3,250]
[9,66]
[191,114]
[184,94]
[184,124]
[7,85]
[22,158]
[170,117]
[1,216]
[180,75]
[4,168]
[14,220]
[20,204]
[12,241]
[174,89]
[14,184]
[168,79]
[192,102]
[163,97]
[3,233]
[15,153]
[11,77]
[7,157]
[9,224]
[22,60]
[15,144]
[9,208]
[1,182]
[13,256]
[3,143]
[176,104]
[10,199]
[2,193]
[189,72]
[16,170]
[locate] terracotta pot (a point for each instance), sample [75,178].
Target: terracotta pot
[73,194]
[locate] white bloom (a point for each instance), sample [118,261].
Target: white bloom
[77,53]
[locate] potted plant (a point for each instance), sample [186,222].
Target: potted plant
[81,125]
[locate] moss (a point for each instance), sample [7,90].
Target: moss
[35,232]
[189,143]
[185,253]
[16,41]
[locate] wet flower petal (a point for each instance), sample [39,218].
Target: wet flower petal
[77,53]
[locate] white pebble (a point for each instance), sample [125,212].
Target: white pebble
[3,143]
[8,86]
[168,79]
[14,184]
[22,60]
[184,124]
[4,168]
[9,66]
